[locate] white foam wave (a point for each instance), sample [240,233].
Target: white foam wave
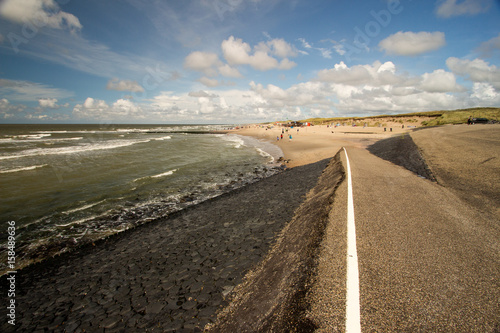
[76,222]
[82,207]
[237,141]
[265,154]
[33,167]
[74,149]
[164,174]
[164,138]
[50,132]
[32,136]
[168,173]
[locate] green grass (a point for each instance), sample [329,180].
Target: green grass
[461,116]
[440,117]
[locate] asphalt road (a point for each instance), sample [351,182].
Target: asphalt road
[429,260]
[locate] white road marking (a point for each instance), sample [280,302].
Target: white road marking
[353,322]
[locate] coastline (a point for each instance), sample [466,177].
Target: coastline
[306,155]
[315,143]
[196,266]
[173,273]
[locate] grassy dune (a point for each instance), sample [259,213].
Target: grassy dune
[429,118]
[461,116]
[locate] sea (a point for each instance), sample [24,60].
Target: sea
[66,185]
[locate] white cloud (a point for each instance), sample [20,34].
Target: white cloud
[449,8]
[8,110]
[90,103]
[124,85]
[286,64]
[17,90]
[125,107]
[201,93]
[340,73]
[376,74]
[48,103]
[202,62]
[278,47]
[476,70]
[237,52]
[326,53]
[209,64]
[485,92]
[39,13]
[490,46]
[228,71]
[339,48]
[411,43]
[305,44]
[122,109]
[209,82]
[439,81]
[91,108]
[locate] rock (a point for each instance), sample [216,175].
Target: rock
[154,308]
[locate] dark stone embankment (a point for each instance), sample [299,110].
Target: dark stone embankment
[401,150]
[273,297]
[169,275]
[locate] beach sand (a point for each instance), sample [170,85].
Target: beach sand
[315,143]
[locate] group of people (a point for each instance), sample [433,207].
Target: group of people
[278,138]
[289,137]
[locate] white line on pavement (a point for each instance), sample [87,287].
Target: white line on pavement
[353,323]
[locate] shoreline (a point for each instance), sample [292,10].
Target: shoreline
[60,231]
[175,272]
[315,143]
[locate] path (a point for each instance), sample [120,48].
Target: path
[428,260]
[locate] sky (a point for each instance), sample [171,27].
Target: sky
[243,61]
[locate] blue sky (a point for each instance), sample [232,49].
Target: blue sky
[237,61]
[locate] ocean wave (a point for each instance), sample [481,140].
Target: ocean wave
[82,207]
[164,138]
[168,173]
[32,136]
[75,222]
[265,154]
[74,149]
[50,132]
[235,140]
[13,140]
[33,167]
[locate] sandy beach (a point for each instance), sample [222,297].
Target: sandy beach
[310,144]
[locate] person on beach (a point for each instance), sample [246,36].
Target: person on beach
[281,136]
[290,137]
